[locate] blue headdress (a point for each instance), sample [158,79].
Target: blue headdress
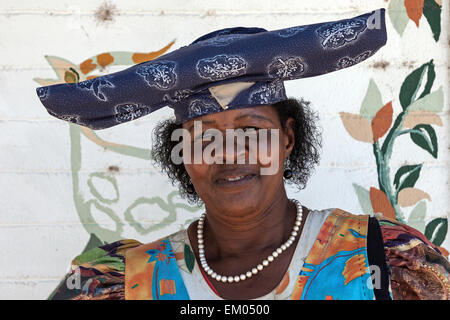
[226,69]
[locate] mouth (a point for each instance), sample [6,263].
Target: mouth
[235,180]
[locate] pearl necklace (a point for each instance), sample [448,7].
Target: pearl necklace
[259,267]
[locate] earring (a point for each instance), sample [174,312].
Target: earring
[190,188]
[287,174]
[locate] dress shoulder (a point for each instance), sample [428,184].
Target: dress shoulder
[418,269]
[97,274]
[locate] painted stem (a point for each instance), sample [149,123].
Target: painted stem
[408,131]
[382,157]
[384,181]
[386,149]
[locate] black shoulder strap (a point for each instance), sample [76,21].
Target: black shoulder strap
[375,253]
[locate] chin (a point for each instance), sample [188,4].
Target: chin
[238,198]
[237,204]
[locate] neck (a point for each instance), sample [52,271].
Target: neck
[266,227]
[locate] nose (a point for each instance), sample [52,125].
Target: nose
[235,148]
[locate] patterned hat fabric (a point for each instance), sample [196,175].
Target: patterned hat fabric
[226,69]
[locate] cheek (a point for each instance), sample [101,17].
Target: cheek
[270,155]
[197,172]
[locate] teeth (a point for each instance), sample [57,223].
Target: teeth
[234,179]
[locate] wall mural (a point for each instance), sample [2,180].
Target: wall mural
[402,11]
[418,116]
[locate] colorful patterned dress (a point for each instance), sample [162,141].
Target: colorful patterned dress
[339,256]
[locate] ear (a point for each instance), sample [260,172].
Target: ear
[289,136]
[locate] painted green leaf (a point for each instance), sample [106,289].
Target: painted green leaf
[372,101]
[432,12]
[406,176]
[416,218]
[410,87]
[436,230]
[398,16]
[364,199]
[431,102]
[189,258]
[425,137]
[431,75]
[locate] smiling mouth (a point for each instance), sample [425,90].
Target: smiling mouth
[235,180]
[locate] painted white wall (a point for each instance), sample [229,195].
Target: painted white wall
[40,228]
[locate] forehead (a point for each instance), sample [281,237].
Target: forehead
[266,113]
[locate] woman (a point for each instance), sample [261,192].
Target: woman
[252,242]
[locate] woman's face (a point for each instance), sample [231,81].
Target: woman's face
[235,188]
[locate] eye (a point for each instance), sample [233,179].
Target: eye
[205,137]
[250,129]
[200,136]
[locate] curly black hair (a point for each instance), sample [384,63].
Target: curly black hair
[304,157]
